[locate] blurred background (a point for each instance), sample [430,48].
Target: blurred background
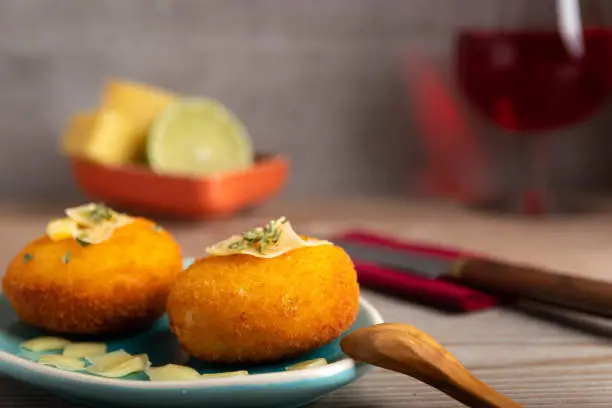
[361,95]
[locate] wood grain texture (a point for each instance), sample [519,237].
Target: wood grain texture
[407,350]
[535,355]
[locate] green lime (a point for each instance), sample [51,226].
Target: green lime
[198,137]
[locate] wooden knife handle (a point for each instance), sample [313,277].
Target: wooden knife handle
[579,293]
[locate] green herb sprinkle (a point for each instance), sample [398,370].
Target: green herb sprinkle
[82,243]
[27,257]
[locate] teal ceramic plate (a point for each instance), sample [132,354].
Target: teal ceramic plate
[268,386]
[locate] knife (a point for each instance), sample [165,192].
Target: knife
[578,293]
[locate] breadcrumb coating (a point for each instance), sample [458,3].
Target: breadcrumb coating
[117,285]
[240,308]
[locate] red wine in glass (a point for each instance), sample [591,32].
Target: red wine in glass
[527,82]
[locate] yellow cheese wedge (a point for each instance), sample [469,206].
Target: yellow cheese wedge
[139,102]
[172,372]
[105,136]
[274,239]
[44,343]
[62,362]
[81,350]
[225,374]
[62,228]
[317,362]
[77,134]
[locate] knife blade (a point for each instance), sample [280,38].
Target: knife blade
[404,261]
[570,291]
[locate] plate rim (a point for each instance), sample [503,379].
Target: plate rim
[10,362]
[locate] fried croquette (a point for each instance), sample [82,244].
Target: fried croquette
[117,285]
[240,308]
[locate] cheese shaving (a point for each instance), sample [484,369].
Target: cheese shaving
[303,365]
[172,372]
[44,343]
[89,224]
[274,239]
[62,362]
[81,350]
[120,366]
[226,374]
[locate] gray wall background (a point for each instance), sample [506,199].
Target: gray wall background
[320,80]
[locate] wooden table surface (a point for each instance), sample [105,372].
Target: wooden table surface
[540,357]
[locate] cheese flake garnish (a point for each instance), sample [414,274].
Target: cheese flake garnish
[45,343]
[62,362]
[172,372]
[272,240]
[89,224]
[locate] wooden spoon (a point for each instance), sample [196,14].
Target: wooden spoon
[407,350]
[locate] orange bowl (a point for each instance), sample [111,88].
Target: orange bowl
[139,189]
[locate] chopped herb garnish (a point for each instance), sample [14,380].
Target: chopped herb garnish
[157,228]
[100,214]
[260,238]
[252,235]
[82,243]
[238,246]
[27,257]
[66,257]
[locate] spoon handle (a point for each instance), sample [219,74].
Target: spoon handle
[407,350]
[456,381]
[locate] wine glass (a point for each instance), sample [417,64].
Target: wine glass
[531,82]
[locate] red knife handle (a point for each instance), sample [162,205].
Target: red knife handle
[579,293]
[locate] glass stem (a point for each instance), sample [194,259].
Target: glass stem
[535,197]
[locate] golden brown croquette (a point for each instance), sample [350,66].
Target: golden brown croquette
[240,308]
[116,285]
